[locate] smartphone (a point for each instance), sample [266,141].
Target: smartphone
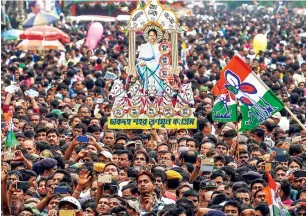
[105,178]
[206,168]
[282,155]
[270,166]
[207,161]
[84,139]
[60,190]
[8,156]
[23,185]
[67,213]
[299,173]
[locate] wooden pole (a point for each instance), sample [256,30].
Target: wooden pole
[295,118]
[237,128]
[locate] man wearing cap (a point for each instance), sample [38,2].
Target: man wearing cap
[70,203]
[283,122]
[207,187]
[132,207]
[173,180]
[45,167]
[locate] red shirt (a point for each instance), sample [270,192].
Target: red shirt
[170,195]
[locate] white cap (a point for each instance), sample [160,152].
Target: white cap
[277,115]
[71,200]
[133,204]
[107,154]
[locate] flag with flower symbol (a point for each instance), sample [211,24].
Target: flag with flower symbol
[257,102]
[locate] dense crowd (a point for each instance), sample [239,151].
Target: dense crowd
[158,171]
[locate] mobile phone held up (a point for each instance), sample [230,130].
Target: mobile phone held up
[105,179]
[83,139]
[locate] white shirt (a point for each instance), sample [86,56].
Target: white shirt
[167,201]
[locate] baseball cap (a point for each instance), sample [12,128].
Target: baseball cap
[57,112]
[70,200]
[277,115]
[133,204]
[107,154]
[130,143]
[209,184]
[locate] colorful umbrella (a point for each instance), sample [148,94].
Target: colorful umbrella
[39,20]
[12,34]
[40,45]
[45,33]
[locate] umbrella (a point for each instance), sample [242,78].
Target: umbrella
[39,20]
[12,34]
[40,45]
[46,33]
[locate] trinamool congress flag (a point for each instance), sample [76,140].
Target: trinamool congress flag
[273,200]
[11,140]
[257,102]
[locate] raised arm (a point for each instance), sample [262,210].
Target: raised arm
[70,149]
[5,204]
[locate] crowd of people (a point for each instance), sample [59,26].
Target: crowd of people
[67,161]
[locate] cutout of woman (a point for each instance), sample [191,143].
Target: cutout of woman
[148,60]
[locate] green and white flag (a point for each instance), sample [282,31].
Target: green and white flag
[257,101]
[11,140]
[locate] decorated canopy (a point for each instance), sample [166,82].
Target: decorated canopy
[153,96]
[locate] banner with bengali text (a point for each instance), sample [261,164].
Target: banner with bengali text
[167,123]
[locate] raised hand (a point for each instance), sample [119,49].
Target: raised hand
[84,177]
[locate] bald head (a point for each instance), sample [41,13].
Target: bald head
[29,146]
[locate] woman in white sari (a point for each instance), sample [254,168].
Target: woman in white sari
[148,62]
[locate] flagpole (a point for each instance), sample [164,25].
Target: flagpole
[295,118]
[237,146]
